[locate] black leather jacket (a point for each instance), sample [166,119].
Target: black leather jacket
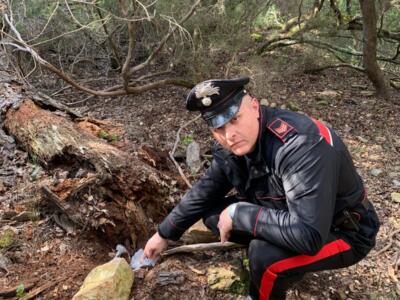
[293,185]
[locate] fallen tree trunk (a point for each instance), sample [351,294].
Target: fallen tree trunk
[94,182]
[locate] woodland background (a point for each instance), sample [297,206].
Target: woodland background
[120,70]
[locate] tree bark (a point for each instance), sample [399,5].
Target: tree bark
[99,184]
[372,68]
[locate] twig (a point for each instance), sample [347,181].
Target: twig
[11,292]
[316,70]
[37,291]
[202,247]
[171,154]
[163,42]
[389,244]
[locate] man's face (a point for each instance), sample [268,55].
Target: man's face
[240,134]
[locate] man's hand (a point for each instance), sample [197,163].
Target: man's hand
[225,225]
[154,246]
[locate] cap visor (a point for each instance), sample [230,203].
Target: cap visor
[225,115]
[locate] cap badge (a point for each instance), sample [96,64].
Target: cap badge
[206,101]
[204,90]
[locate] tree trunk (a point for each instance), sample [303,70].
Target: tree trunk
[372,68]
[94,182]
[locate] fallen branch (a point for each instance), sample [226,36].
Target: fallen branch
[293,27]
[42,288]
[391,240]
[171,154]
[217,246]
[11,292]
[320,69]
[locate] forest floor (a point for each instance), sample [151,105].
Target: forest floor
[53,264]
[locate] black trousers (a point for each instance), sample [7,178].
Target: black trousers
[273,269]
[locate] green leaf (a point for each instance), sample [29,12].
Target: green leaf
[20,291]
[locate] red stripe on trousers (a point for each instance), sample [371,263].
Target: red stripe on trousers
[270,275]
[324,131]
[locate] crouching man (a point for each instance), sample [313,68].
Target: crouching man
[300,204]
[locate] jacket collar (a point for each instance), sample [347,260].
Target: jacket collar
[255,160]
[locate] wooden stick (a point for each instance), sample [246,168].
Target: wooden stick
[202,247]
[42,288]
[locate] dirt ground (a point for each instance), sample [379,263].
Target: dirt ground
[53,264]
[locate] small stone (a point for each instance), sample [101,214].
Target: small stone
[322,103]
[5,262]
[273,105]
[394,174]
[264,102]
[380,139]
[283,106]
[293,106]
[45,249]
[328,93]
[367,93]
[362,140]
[396,182]
[376,172]
[396,197]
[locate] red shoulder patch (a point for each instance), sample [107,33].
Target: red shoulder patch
[280,128]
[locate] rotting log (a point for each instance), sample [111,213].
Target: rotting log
[108,186]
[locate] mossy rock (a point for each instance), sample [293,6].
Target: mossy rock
[230,278]
[6,238]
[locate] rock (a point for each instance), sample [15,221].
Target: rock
[6,238]
[293,106]
[360,86]
[193,157]
[264,102]
[367,93]
[396,183]
[380,139]
[173,277]
[112,280]
[376,172]
[283,106]
[396,197]
[362,140]
[224,278]
[394,174]
[273,105]
[5,262]
[199,233]
[328,93]
[323,102]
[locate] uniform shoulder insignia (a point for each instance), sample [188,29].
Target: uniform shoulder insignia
[280,128]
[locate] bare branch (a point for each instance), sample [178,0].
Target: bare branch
[336,11]
[131,46]
[113,46]
[320,69]
[202,247]
[163,41]
[22,46]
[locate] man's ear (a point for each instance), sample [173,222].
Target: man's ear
[254,103]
